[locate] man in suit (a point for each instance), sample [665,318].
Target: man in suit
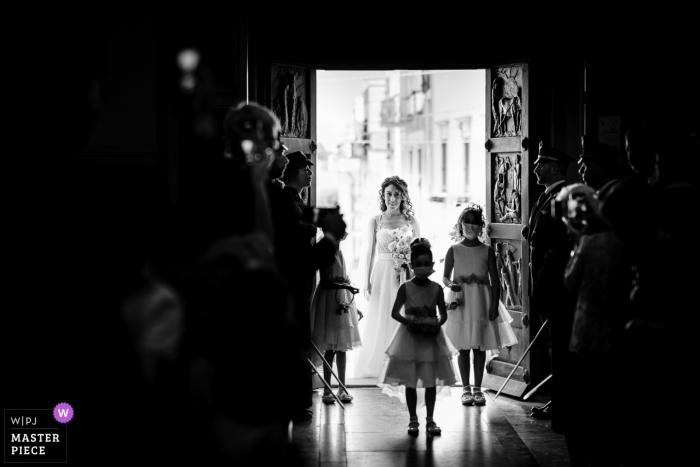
[546,234]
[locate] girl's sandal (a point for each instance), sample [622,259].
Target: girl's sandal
[467,398]
[344,396]
[413,428]
[328,399]
[433,429]
[479,398]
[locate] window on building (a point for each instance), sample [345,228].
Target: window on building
[444,166]
[466,165]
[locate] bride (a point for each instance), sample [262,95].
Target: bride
[396,219]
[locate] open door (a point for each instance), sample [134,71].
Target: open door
[507,209]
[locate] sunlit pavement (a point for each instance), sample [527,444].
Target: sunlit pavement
[372,432]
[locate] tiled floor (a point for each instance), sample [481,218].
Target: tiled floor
[372,432]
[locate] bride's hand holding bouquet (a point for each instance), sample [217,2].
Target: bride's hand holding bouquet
[401,253]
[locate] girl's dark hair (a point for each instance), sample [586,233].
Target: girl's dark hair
[474,209]
[420,246]
[400,184]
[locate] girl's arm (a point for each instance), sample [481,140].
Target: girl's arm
[449,264]
[495,285]
[416,228]
[400,300]
[371,240]
[441,307]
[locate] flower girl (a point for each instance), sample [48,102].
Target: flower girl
[477,320]
[419,355]
[335,328]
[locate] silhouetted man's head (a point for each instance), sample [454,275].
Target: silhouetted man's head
[640,146]
[599,164]
[298,172]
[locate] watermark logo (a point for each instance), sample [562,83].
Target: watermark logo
[37,435]
[63,413]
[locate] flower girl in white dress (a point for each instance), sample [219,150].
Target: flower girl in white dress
[477,320]
[335,322]
[419,356]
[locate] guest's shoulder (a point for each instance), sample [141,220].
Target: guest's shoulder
[599,241]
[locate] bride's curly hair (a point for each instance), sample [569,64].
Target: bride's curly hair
[478,211]
[406,205]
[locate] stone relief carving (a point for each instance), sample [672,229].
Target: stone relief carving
[510,275]
[506,102]
[499,190]
[506,189]
[289,99]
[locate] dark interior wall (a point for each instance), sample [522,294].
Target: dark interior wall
[190,123]
[125,131]
[614,66]
[561,85]
[632,76]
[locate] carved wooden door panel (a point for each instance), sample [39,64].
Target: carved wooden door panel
[507,209]
[293,100]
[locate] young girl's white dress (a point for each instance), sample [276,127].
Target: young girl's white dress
[468,326]
[414,359]
[333,331]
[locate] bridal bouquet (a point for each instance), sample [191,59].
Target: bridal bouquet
[401,252]
[455,235]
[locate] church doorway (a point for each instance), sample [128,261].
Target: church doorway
[455,136]
[426,126]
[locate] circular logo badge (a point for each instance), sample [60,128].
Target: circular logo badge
[63,413]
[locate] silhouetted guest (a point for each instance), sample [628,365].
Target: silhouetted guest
[297,258]
[641,150]
[222,263]
[600,165]
[659,287]
[677,161]
[297,176]
[595,273]
[666,156]
[544,233]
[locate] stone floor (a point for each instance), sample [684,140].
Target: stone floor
[372,432]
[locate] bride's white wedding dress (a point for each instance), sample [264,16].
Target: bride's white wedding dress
[378,326]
